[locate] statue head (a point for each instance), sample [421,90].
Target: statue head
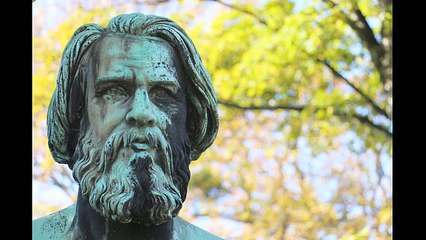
[133,106]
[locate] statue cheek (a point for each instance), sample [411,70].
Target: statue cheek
[163,120]
[112,118]
[104,118]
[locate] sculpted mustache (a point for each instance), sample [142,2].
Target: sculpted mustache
[124,137]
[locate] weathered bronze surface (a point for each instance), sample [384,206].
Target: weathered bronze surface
[133,106]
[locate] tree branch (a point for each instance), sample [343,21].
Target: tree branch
[240,9]
[152,2]
[360,118]
[364,31]
[359,91]
[367,121]
[253,107]
[360,25]
[357,21]
[223,216]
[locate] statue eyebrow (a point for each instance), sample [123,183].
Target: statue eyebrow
[119,79]
[113,78]
[170,84]
[105,83]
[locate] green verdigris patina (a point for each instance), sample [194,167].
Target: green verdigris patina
[133,106]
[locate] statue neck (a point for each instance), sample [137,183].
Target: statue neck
[88,224]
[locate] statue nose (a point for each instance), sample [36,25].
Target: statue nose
[142,112]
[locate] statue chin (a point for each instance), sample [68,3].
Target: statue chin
[136,205]
[125,185]
[136,190]
[147,222]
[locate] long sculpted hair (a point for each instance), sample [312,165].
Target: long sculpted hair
[70,141]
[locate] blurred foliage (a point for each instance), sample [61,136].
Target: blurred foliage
[304,148]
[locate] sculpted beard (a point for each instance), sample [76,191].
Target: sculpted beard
[137,186]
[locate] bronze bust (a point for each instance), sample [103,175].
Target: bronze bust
[133,106]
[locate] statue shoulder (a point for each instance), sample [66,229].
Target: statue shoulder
[53,226]
[187,231]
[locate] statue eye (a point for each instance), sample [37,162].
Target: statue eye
[160,92]
[115,93]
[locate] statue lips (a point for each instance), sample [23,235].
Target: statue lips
[140,144]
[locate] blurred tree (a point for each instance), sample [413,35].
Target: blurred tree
[305,91]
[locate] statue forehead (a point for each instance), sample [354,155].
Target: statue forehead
[128,46]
